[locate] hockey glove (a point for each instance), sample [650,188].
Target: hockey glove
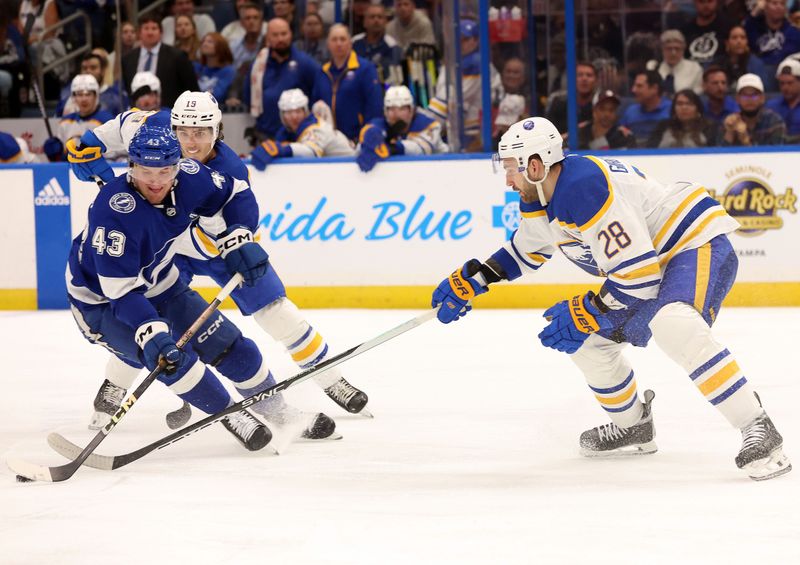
[455,292]
[267,151]
[155,341]
[86,158]
[54,149]
[373,148]
[242,254]
[572,322]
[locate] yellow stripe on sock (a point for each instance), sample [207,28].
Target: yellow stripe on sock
[720,377]
[308,350]
[619,399]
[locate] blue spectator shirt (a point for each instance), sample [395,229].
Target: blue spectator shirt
[299,70]
[642,123]
[216,80]
[791,116]
[772,46]
[729,106]
[384,55]
[356,83]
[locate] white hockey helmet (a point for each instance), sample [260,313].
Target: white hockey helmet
[84,83]
[196,109]
[292,99]
[145,78]
[398,96]
[528,137]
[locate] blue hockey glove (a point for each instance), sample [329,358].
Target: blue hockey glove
[572,322]
[54,149]
[242,254]
[155,341]
[267,151]
[373,148]
[88,163]
[455,292]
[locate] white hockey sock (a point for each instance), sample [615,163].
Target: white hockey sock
[684,336]
[282,320]
[120,373]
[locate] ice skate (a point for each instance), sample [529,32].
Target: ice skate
[761,455]
[106,403]
[610,440]
[348,397]
[301,424]
[251,433]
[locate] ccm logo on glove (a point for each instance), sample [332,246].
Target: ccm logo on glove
[235,239]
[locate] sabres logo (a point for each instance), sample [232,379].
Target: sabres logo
[122,202]
[528,124]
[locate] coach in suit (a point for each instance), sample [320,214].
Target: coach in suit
[169,64]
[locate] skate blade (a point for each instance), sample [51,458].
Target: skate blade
[365,413]
[99,420]
[627,451]
[333,437]
[775,465]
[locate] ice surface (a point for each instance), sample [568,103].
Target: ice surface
[472,458]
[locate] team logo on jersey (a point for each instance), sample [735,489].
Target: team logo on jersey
[752,201]
[217,178]
[122,202]
[189,166]
[51,195]
[580,254]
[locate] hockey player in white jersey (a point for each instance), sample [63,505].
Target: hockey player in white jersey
[302,134]
[196,119]
[667,264]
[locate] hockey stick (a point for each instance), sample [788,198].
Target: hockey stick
[110,462]
[32,472]
[34,73]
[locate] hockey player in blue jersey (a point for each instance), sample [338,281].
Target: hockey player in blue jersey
[128,295]
[667,262]
[196,118]
[401,131]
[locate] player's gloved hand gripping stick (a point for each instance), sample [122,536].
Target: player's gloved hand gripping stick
[33,472]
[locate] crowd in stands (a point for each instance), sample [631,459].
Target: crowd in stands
[689,73]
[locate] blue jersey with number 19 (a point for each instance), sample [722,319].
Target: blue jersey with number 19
[613,221]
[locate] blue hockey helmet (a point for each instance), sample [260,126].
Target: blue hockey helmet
[154,146]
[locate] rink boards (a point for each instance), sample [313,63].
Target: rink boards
[342,238]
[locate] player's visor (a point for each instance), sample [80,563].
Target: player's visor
[505,166]
[153,175]
[186,134]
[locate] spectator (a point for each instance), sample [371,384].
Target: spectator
[186,37]
[706,33]
[313,40]
[718,104]
[302,134]
[650,108]
[44,14]
[586,86]
[215,70]
[236,30]
[374,45]
[245,49]
[410,25]
[111,99]
[677,72]
[88,116]
[401,131]
[286,9]
[353,17]
[169,64]
[128,42]
[640,48]
[770,34]
[686,126]
[788,105]
[12,69]
[470,88]
[275,69]
[512,108]
[754,124]
[34,17]
[738,60]
[202,22]
[348,84]
[146,93]
[602,131]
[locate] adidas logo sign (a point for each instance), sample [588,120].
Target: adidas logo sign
[51,195]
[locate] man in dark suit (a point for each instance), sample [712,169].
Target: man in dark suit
[169,64]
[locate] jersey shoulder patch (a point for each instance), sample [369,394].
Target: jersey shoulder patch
[122,202]
[189,166]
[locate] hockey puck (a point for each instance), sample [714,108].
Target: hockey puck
[21,479]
